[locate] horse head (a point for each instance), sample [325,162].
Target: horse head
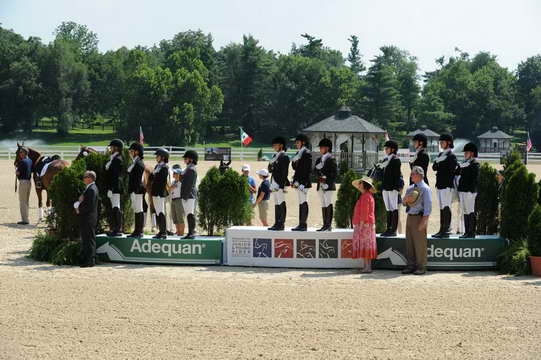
[84,152]
[31,153]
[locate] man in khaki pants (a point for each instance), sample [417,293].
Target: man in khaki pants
[24,173]
[418,200]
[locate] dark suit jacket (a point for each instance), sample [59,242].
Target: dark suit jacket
[422,160]
[445,171]
[88,208]
[469,177]
[112,175]
[189,184]
[135,179]
[302,168]
[330,170]
[392,175]
[159,182]
[279,170]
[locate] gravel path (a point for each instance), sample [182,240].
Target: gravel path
[164,312]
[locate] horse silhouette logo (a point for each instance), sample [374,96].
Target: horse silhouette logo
[394,256]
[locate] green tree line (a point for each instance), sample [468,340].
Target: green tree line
[184,91]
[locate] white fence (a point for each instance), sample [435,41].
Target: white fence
[248,154]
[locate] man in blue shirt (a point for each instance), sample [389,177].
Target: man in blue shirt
[418,200]
[24,174]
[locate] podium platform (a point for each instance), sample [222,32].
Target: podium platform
[203,250]
[257,246]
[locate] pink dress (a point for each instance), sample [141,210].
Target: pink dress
[364,228]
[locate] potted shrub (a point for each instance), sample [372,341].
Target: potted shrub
[534,240]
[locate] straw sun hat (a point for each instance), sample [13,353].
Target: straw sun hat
[367,180]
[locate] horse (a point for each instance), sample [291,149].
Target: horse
[44,169]
[147,176]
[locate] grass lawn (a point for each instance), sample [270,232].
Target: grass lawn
[99,137]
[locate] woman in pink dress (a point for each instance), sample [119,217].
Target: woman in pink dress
[364,224]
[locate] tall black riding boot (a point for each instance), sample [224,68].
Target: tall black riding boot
[303,216]
[139,219]
[388,231]
[162,226]
[394,223]
[277,213]
[116,223]
[324,217]
[473,224]
[466,227]
[280,225]
[191,227]
[330,214]
[446,230]
[442,225]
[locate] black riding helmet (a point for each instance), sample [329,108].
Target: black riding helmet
[303,138]
[472,148]
[139,148]
[448,138]
[393,145]
[191,154]
[421,138]
[117,143]
[279,140]
[163,153]
[325,143]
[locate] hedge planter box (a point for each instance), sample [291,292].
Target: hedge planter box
[535,261]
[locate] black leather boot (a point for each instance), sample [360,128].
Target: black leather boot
[191,227]
[394,223]
[162,226]
[446,230]
[442,226]
[324,216]
[330,214]
[388,231]
[277,212]
[116,224]
[139,219]
[303,216]
[466,227]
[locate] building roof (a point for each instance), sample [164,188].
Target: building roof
[423,130]
[494,133]
[343,121]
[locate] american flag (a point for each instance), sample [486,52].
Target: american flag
[141,136]
[529,143]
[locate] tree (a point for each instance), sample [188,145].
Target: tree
[382,97]
[520,197]
[346,200]
[82,40]
[487,201]
[354,57]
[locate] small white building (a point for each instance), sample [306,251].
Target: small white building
[494,141]
[354,139]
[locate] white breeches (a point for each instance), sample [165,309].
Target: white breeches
[137,202]
[159,204]
[325,197]
[302,195]
[278,196]
[115,200]
[445,197]
[390,198]
[467,202]
[189,206]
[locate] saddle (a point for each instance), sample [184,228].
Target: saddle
[41,167]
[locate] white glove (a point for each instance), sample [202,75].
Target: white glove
[110,194]
[76,205]
[274,187]
[301,187]
[325,186]
[296,184]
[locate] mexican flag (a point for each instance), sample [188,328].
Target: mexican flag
[245,139]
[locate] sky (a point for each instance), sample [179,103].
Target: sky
[428,29]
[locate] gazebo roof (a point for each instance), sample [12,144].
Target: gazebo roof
[425,131]
[494,133]
[343,121]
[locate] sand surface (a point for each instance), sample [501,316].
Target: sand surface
[180,312]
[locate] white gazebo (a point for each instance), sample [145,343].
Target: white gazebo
[494,141]
[354,139]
